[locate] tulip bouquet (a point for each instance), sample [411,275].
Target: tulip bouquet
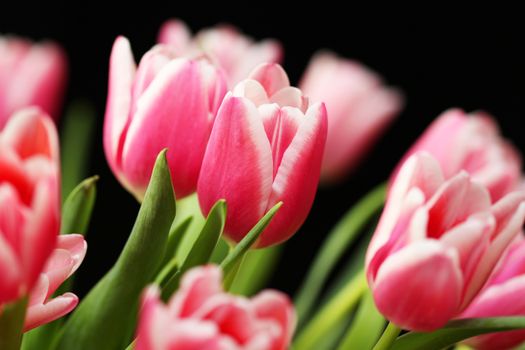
[225,156]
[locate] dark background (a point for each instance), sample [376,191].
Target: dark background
[473,62]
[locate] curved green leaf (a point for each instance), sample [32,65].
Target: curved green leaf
[102,320]
[78,207]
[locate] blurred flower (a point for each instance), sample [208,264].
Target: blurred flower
[168,102]
[202,316]
[472,143]
[29,200]
[30,75]
[266,146]
[64,261]
[360,107]
[436,244]
[234,52]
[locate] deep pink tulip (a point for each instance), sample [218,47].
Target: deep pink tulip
[360,107]
[30,75]
[64,261]
[226,46]
[168,102]
[472,143]
[266,146]
[29,200]
[436,243]
[202,316]
[502,296]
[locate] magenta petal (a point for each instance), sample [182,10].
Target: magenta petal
[40,314]
[419,287]
[295,183]
[237,166]
[10,272]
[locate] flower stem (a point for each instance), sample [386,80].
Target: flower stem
[389,336]
[12,319]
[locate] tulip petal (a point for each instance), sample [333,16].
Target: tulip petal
[292,97]
[237,166]
[271,76]
[10,272]
[296,180]
[154,321]
[419,287]
[54,309]
[252,90]
[176,34]
[76,246]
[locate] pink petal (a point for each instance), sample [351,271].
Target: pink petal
[295,183]
[12,217]
[264,51]
[193,334]
[152,331]
[271,76]
[290,96]
[76,245]
[10,272]
[419,287]
[58,268]
[252,90]
[512,264]
[54,309]
[40,291]
[237,166]
[176,34]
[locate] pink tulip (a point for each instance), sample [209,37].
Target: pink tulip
[29,200]
[436,244]
[236,53]
[502,296]
[266,146]
[472,143]
[202,316]
[168,102]
[64,261]
[30,75]
[360,107]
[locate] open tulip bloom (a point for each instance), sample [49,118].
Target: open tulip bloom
[225,157]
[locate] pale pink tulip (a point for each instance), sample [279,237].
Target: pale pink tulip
[29,200]
[266,146]
[360,107]
[502,296]
[30,75]
[64,261]
[168,102]
[226,46]
[437,243]
[472,143]
[202,316]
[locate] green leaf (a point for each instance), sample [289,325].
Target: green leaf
[78,207]
[202,250]
[456,331]
[189,207]
[177,232]
[77,136]
[102,320]
[333,248]
[12,319]
[221,251]
[232,262]
[366,328]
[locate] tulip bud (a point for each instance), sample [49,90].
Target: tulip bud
[168,102]
[437,243]
[202,316]
[266,146]
[30,75]
[29,200]
[360,107]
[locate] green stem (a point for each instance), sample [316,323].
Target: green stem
[332,313]
[389,336]
[333,248]
[12,319]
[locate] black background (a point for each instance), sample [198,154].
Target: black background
[440,61]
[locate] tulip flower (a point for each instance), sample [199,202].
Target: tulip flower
[360,107]
[64,261]
[472,143]
[437,243]
[502,296]
[202,316]
[266,146]
[234,52]
[168,102]
[29,200]
[30,75]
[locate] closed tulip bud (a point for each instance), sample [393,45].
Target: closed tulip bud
[202,316]
[437,243]
[29,200]
[472,143]
[30,75]
[360,108]
[167,102]
[266,146]
[226,46]
[64,261]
